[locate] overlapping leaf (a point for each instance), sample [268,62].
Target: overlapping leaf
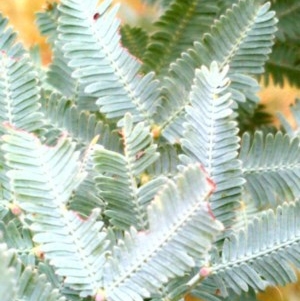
[43,179]
[63,116]
[176,30]
[242,39]
[167,163]
[118,181]
[18,83]
[19,92]
[106,70]
[211,138]
[47,22]
[59,73]
[17,282]
[264,254]
[181,230]
[36,288]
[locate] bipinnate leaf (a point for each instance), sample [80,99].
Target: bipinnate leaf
[42,188]
[47,22]
[135,39]
[62,116]
[23,283]
[263,254]
[241,39]
[102,66]
[19,93]
[119,176]
[181,231]
[176,30]
[211,138]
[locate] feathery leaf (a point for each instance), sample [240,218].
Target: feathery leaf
[261,255]
[271,167]
[135,39]
[62,116]
[242,39]
[43,187]
[211,138]
[176,30]
[103,66]
[118,181]
[144,261]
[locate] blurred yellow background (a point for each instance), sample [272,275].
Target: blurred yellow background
[21,14]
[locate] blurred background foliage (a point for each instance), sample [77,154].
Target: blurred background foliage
[275,98]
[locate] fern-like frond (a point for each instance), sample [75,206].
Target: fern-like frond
[284,63]
[176,30]
[59,77]
[271,167]
[59,73]
[47,22]
[264,254]
[19,93]
[118,181]
[181,230]
[17,283]
[61,116]
[211,138]
[86,197]
[242,39]
[42,188]
[175,289]
[135,39]
[103,66]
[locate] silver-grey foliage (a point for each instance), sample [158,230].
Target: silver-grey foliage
[126,179]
